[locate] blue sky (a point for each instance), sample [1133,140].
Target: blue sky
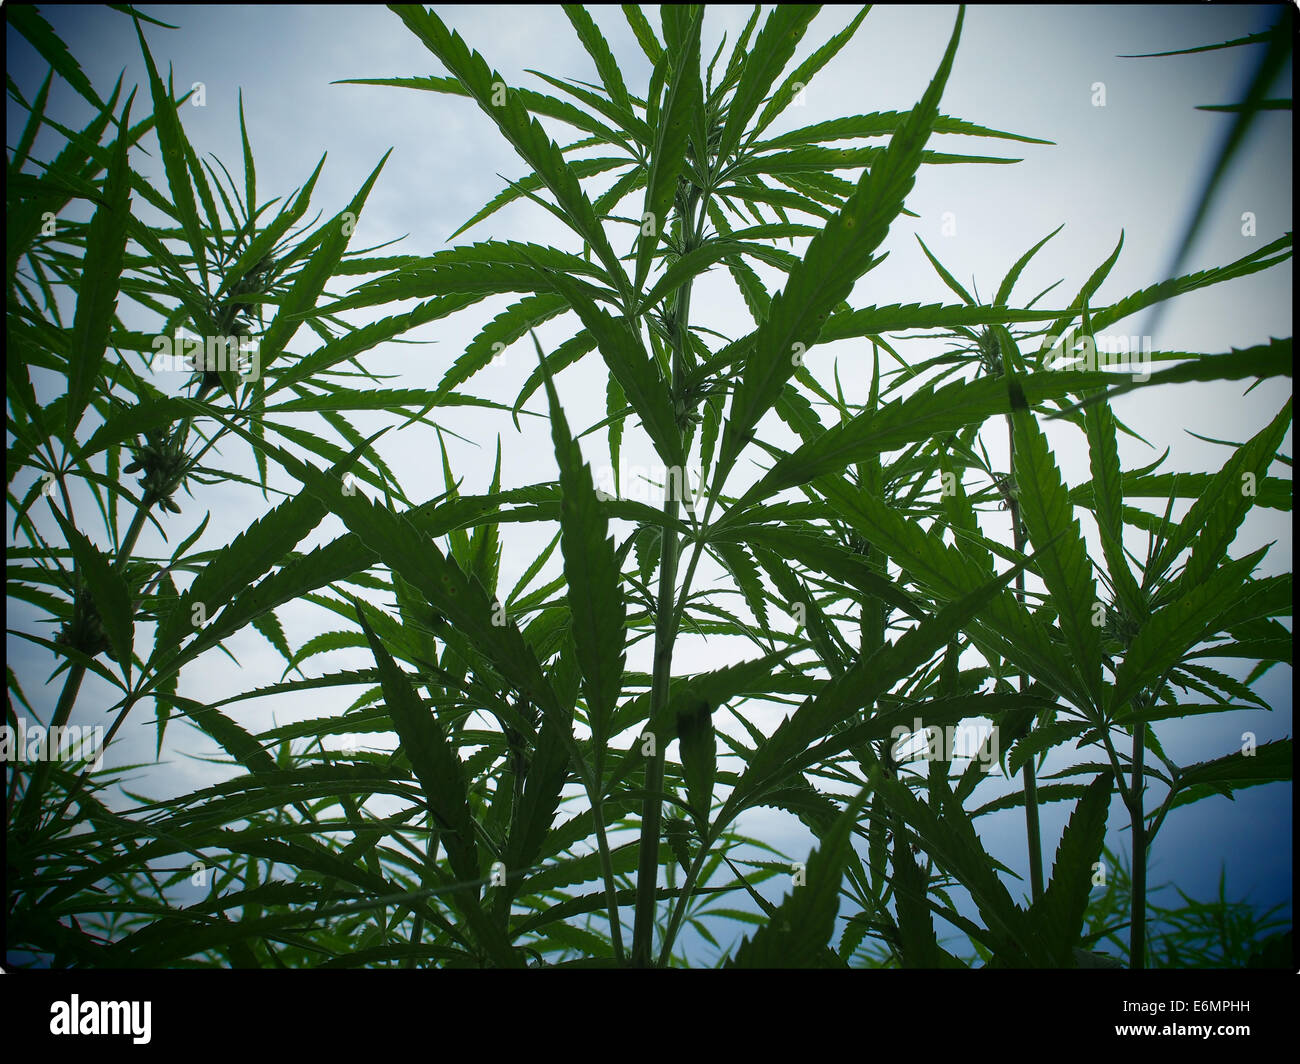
[1133,166]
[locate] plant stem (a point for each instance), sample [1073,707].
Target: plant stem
[417,930]
[1138,909]
[665,636]
[648,861]
[147,502]
[30,809]
[679,909]
[1033,832]
[607,872]
[75,789]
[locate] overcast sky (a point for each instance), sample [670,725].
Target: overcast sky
[1133,165]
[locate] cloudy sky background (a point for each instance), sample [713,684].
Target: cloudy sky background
[1134,165]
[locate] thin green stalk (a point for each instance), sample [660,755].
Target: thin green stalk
[665,636]
[133,532]
[648,860]
[31,804]
[607,873]
[593,781]
[1117,768]
[75,789]
[1032,829]
[417,930]
[679,909]
[690,569]
[1138,906]
[1033,832]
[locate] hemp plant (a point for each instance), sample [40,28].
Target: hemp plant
[530,758]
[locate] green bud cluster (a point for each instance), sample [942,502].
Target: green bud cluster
[163,461]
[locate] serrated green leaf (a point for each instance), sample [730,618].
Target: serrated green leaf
[620,346]
[859,686]
[599,616]
[926,413]
[310,281]
[598,48]
[40,34]
[108,590]
[101,278]
[952,842]
[1108,496]
[173,145]
[772,49]
[1263,764]
[798,81]
[500,103]
[1212,521]
[1062,555]
[643,32]
[1175,628]
[798,932]
[698,745]
[1058,914]
[668,157]
[433,759]
[835,258]
[1013,274]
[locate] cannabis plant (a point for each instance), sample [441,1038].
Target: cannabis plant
[539,800]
